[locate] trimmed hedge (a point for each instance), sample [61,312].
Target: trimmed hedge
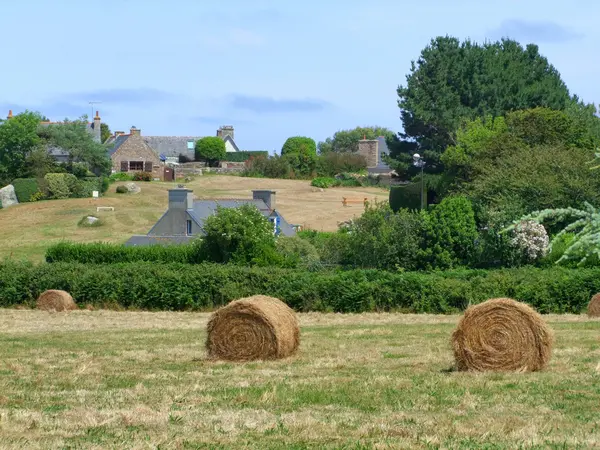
[244,156]
[408,196]
[105,253]
[25,188]
[153,286]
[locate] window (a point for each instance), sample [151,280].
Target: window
[189,227]
[190,145]
[136,165]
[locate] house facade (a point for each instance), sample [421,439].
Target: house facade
[184,219]
[130,153]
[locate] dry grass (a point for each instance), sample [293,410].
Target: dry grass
[102,379]
[51,221]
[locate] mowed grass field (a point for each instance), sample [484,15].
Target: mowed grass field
[28,229]
[137,380]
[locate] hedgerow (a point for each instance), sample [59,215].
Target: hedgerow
[157,286]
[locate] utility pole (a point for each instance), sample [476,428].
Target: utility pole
[418,161]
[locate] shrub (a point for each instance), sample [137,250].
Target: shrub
[324,182]
[25,188]
[142,176]
[61,185]
[105,253]
[297,251]
[242,156]
[84,187]
[408,196]
[39,195]
[120,176]
[334,163]
[210,149]
[302,164]
[273,167]
[121,190]
[206,286]
[299,145]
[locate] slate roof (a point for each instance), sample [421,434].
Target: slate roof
[381,167]
[158,240]
[172,146]
[206,208]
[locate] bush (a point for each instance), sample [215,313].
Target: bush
[408,197]
[161,286]
[121,190]
[210,149]
[334,163]
[297,252]
[84,187]
[120,176]
[244,156]
[299,145]
[273,167]
[324,182]
[25,188]
[302,164]
[105,253]
[39,195]
[61,185]
[142,176]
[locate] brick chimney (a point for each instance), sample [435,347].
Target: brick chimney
[135,131]
[225,130]
[369,148]
[266,196]
[97,128]
[9,115]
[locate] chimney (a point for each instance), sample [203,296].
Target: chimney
[97,128]
[9,114]
[181,198]
[135,130]
[225,130]
[369,148]
[266,196]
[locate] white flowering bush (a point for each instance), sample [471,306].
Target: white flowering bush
[531,238]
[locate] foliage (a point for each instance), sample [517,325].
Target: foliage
[272,167]
[346,141]
[39,195]
[210,149]
[25,188]
[531,239]
[297,252]
[144,285]
[452,81]
[408,196]
[121,190]
[61,185]
[84,187]
[243,156]
[142,176]
[85,223]
[450,234]
[105,253]
[324,182]
[299,145]
[239,235]
[18,137]
[333,163]
[302,165]
[120,176]
[105,132]
[584,225]
[39,162]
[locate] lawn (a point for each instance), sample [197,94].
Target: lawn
[28,229]
[106,379]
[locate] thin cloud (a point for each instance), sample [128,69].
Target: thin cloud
[55,111]
[125,95]
[216,120]
[271,105]
[540,31]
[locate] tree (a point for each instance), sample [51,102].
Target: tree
[301,145]
[105,132]
[452,81]
[18,137]
[346,141]
[210,149]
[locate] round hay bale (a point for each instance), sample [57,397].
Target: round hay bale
[593,309]
[252,328]
[502,335]
[54,300]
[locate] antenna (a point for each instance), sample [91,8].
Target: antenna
[92,106]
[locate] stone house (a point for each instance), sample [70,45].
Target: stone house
[373,150]
[183,221]
[130,153]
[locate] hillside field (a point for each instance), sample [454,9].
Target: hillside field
[27,229]
[136,380]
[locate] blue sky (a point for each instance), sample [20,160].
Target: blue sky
[272,69]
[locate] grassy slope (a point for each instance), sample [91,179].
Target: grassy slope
[139,380]
[29,228]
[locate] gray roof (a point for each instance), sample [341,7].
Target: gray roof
[117,143]
[172,146]
[158,240]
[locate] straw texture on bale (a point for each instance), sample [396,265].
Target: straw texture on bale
[593,309]
[502,335]
[253,328]
[54,300]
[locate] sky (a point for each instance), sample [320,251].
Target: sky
[272,69]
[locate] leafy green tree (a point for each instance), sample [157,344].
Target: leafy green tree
[210,149]
[452,81]
[301,145]
[18,138]
[346,141]
[105,132]
[240,236]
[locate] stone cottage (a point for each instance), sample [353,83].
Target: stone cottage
[373,150]
[131,153]
[183,221]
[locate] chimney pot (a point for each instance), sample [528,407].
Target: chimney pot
[9,114]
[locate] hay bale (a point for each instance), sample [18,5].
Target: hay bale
[593,309]
[54,300]
[502,335]
[257,327]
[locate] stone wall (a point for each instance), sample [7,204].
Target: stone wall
[135,149]
[369,148]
